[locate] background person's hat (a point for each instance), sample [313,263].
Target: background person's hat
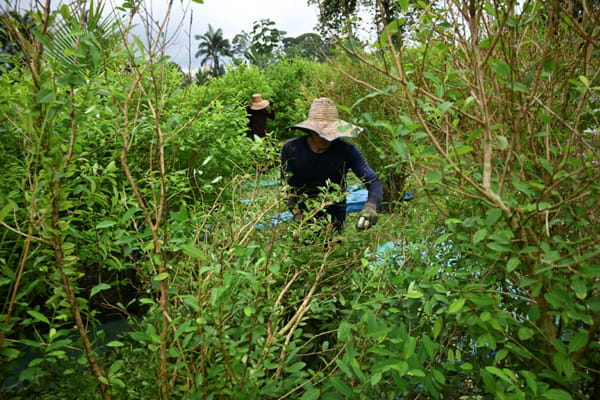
[258,103]
[323,119]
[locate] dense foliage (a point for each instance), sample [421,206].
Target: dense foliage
[141,255]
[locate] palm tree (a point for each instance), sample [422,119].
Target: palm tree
[213,46]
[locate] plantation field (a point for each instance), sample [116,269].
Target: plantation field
[146,250]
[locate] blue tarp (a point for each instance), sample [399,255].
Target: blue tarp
[355,200]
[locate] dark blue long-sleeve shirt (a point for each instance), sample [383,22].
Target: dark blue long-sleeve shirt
[307,172]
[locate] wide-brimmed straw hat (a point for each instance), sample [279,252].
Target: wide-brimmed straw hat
[258,103]
[324,120]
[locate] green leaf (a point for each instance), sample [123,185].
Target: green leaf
[438,376]
[456,306]
[518,87]
[400,147]
[530,379]
[459,151]
[342,387]
[591,271]
[413,294]
[141,337]
[161,277]
[115,343]
[71,79]
[499,373]
[466,366]
[556,394]
[512,264]
[479,235]
[445,106]
[501,68]
[580,289]
[344,367]
[429,346]
[375,378]
[409,347]
[432,177]
[400,366]
[501,142]
[99,287]
[311,394]
[403,5]
[416,372]
[192,251]
[578,342]
[500,355]
[8,207]
[9,352]
[526,333]
[105,224]
[191,301]
[493,215]
[295,367]
[344,331]
[358,371]
[114,381]
[557,298]
[500,248]
[488,381]
[45,96]
[38,316]
[443,238]
[563,364]
[437,327]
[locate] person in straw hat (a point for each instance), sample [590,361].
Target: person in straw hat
[258,111]
[311,163]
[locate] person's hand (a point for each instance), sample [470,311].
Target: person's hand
[368,216]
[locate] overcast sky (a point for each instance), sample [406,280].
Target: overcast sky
[294,17]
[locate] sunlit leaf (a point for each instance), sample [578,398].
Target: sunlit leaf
[105,224]
[38,316]
[161,277]
[456,306]
[525,333]
[99,287]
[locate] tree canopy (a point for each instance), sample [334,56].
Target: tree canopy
[212,48]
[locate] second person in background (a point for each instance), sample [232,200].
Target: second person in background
[258,111]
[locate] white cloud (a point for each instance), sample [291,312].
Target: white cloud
[233,16]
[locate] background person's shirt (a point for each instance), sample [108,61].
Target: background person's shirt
[257,121]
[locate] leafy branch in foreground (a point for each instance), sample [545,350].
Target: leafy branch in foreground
[501,109]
